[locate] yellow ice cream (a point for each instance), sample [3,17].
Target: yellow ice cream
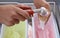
[16,31]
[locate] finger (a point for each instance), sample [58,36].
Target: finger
[42,3]
[17,17]
[16,21]
[13,21]
[7,23]
[22,12]
[24,7]
[22,18]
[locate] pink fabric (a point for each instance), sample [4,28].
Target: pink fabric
[48,31]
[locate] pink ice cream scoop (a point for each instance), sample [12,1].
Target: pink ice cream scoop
[49,30]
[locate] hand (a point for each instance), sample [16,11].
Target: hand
[12,14]
[43,3]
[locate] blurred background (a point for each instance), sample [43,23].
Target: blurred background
[56,14]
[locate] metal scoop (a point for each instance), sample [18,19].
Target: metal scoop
[42,14]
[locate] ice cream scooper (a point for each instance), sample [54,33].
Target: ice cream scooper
[41,11]
[43,15]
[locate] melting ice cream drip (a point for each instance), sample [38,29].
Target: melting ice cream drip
[42,24]
[43,13]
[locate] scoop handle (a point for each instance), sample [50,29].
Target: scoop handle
[30,12]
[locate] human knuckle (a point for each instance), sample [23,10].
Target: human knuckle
[10,24]
[14,13]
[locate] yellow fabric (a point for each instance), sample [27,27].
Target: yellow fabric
[16,31]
